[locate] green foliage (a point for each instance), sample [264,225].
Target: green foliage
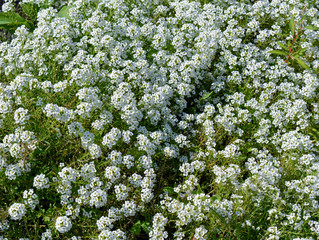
[12,20]
[139,226]
[292,51]
[64,12]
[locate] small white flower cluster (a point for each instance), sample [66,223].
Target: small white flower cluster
[224,174]
[158,229]
[63,224]
[59,113]
[105,223]
[98,198]
[4,225]
[112,173]
[200,233]
[72,212]
[75,128]
[17,144]
[111,138]
[121,192]
[41,181]
[31,199]
[107,234]
[7,6]
[17,211]
[21,116]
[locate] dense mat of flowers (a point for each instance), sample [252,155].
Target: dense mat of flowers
[105,135]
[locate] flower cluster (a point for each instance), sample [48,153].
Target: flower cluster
[17,211]
[63,224]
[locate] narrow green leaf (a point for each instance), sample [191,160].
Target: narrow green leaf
[207,96]
[278,52]
[4,19]
[146,226]
[64,12]
[30,10]
[136,229]
[301,63]
[292,25]
[312,27]
[11,20]
[315,130]
[301,19]
[300,51]
[249,149]
[282,46]
[13,17]
[216,197]
[168,189]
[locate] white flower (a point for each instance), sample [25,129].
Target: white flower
[104,222]
[8,7]
[16,150]
[113,173]
[17,211]
[95,151]
[107,234]
[47,235]
[31,199]
[63,224]
[121,192]
[98,198]
[200,233]
[40,182]
[21,116]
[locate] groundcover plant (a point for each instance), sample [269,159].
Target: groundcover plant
[159,119]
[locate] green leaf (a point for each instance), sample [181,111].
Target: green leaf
[216,197]
[13,16]
[4,20]
[64,12]
[300,52]
[136,229]
[278,52]
[207,95]
[12,20]
[168,189]
[249,149]
[301,63]
[312,27]
[31,10]
[146,226]
[301,19]
[282,46]
[292,25]
[315,130]
[283,34]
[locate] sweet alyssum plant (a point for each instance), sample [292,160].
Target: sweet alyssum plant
[107,132]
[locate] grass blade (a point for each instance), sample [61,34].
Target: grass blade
[282,46]
[207,96]
[292,25]
[278,52]
[312,27]
[302,63]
